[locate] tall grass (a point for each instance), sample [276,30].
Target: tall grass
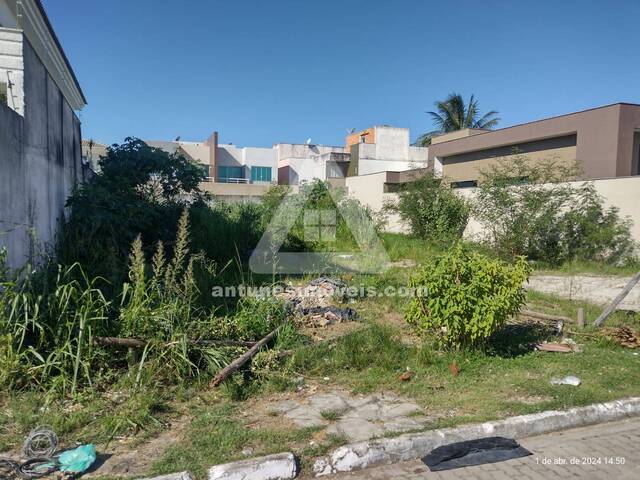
[46,332]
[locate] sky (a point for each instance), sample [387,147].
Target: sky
[267,71]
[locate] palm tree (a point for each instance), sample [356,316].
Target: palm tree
[452,114]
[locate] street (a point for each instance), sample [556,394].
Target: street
[606,451]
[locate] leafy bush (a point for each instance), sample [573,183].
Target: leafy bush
[469,296]
[432,210]
[529,209]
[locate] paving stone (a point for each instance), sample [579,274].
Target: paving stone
[391,411]
[305,416]
[355,429]
[328,402]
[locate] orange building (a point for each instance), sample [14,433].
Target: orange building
[364,136]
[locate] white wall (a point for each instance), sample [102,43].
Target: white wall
[369,190]
[231,156]
[12,67]
[622,193]
[391,143]
[391,152]
[305,162]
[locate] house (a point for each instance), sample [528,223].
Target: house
[92,151]
[299,163]
[40,151]
[384,148]
[604,140]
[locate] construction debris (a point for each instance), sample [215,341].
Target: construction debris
[567,345]
[319,292]
[623,336]
[313,303]
[323,316]
[568,380]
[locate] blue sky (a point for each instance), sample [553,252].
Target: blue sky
[268,71]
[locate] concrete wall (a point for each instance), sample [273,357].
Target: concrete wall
[40,161]
[299,163]
[621,192]
[395,155]
[369,190]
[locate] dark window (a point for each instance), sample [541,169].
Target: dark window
[465,184]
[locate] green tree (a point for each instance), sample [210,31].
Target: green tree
[140,190]
[453,114]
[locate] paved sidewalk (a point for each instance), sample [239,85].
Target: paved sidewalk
[587,453]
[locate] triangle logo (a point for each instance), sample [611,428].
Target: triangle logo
[319,225]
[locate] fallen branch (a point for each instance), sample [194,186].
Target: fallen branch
[135,343]
[545,316]
[119,342]
[612,306]
[242,359]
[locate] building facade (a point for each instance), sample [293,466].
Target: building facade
[605,141]
[40,150]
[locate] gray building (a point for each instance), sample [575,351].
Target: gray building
[40,152]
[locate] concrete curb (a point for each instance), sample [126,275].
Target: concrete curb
[172,476]
[281,466]
[411,446]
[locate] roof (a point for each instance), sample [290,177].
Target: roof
[488,132]
[57,42]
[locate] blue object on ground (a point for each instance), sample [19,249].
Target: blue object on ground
[77,460]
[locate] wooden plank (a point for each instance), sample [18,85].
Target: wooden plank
[545,316]
[242,359]
[135,343]
[621,296]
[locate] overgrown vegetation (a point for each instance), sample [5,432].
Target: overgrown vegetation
[469,297]
[432,210]
[143,247]
[529,209]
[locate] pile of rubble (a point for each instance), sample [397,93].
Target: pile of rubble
[623,336]
[314,302]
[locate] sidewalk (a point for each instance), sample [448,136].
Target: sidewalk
[587,453]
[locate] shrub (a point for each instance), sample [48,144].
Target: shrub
[529,209]
[469,296]
[432,210]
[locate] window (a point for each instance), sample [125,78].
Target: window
[3,93]
[260,174]
[229,174]
[464,184]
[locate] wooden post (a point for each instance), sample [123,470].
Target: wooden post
[612,306]
[580,317]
